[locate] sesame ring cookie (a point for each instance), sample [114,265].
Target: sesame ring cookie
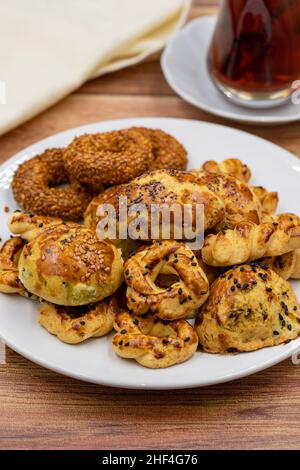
[168,152]
[108,158]
[152,342]
[182,298]
[34,187]
[74,325]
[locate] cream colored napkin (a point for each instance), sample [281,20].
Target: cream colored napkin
[48,48]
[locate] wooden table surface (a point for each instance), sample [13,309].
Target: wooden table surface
[40,409]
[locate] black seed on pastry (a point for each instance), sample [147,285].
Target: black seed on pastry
[232,288]
[230,277]
[165,341]
[276,333]
[269,289]
[290,327]
[120,342]
[180,291]
[123,332]
[186,340]
[295,308]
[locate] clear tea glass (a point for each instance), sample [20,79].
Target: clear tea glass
[254,57]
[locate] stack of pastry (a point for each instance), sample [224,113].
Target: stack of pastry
[236,287]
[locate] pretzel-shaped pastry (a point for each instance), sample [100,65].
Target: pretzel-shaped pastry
[249,242]
[183,298]
[230,166]
[76,324]
[153,343]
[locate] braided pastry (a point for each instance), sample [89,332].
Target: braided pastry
[241,204]
[152,342]
[247,242]
[28,226]
[287,266]
[249,308]
[268,200]
[183,298]
[9,256]
[231,167]
[76,324]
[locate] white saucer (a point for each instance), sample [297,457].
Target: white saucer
[94,360]
[184,66]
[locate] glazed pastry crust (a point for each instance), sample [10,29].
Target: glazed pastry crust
[9,256]
[28,225]
[74,325]
[249,308]
[269,200]
[231,167]
[172,187]
[287,266]
[153,343]
[183,298]
[69,265]
[248,242]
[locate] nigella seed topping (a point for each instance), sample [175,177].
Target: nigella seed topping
[230,276]
[235,281]
[295,308]
[232,288]
[290,327]
[242,270]
[135,321]
[120,342]
[285,308]
[269,289]
[276,333]
[165,341]
[186,340]
[123,332]
[182,301]
[180,291]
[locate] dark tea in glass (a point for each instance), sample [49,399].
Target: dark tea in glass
[254,56]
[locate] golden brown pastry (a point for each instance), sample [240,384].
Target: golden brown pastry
[9,256]
[241,204]
[76,324]
[286,266]
[67,264]
[248,242]
[268,200]
[249,308]
[169,187]
[28,226]
[153,343]
[182,298]
[109,195]
[230,166]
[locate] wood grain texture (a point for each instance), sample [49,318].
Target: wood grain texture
[40,409]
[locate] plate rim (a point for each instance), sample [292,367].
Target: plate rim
[243,118]
[28,151]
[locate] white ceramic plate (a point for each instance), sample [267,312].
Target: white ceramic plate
[95,360]
[184,65]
